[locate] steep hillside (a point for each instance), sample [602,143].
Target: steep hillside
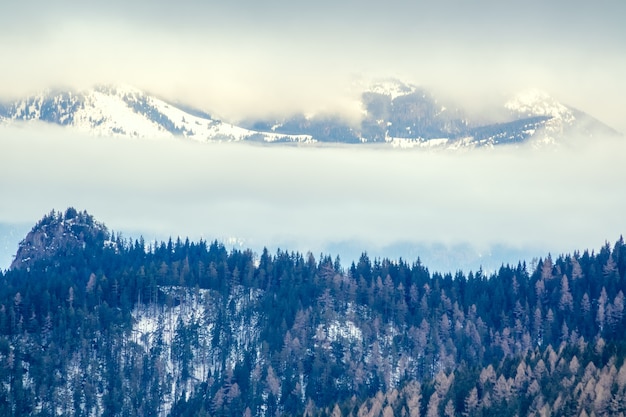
[128,112]
[114,327]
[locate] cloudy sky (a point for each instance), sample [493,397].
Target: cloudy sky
[316,198]
[246,57]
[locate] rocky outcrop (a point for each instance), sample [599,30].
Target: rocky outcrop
[59,234]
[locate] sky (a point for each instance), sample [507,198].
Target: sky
[245,58]
[323,199]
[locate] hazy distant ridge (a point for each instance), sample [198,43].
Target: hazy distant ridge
[395,113]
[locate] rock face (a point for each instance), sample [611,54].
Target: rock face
[59,234]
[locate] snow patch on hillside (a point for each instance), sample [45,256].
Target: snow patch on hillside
[125,111]
[409,143]
[109,115]
[535,102]
[192,316]
[336,330]
[387,87]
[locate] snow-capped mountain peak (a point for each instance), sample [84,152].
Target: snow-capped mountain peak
[535,102]
[391,87]
[393,111]
[125,111]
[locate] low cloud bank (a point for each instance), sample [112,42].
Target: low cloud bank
[315,198]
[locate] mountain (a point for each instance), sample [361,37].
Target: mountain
[57,235]
[129,112]
[561,120]
[393,112]
[101,326]
[406,115]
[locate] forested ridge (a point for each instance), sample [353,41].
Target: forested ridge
[95,324]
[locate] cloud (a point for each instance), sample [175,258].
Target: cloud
[243,59]
[314,196]
[248,59]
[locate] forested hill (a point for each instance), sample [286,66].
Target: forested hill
[99,325]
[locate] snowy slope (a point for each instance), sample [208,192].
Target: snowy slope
[395,113]
[159,326]
[124,111]
[390,87]
[106,113]
[534,102]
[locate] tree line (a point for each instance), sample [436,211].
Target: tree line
[236,333]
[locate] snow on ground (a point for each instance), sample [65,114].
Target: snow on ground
[108,115]
[406,143]
[196,309]
[151,321]
[390,87]
[534,102]
[125,111]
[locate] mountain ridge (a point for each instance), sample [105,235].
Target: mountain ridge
[189,329]
[393,112]
[124,111]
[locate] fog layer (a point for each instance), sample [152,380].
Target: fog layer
[246,58]
[557,200]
